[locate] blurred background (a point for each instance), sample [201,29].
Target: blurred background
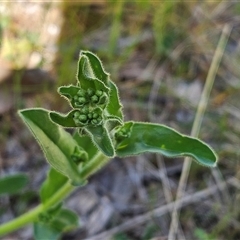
[159,54]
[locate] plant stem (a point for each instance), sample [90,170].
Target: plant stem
[93,165]
[33,214]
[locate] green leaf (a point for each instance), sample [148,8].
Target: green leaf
[48,215]
[135,138]
[86,77]
[13,184]
[101,139]
[43,231]
[65,220]
[69,92]
[97,67]
[86,143]
[64,120]
[114,107]
[54,181]
[57,144]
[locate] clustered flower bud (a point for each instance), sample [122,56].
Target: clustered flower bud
[90,96]
[45,217]
[77,156]
[87,116]
[122,133]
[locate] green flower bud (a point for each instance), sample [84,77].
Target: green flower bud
[75,159]
[83,118]
[99,119]
[95,115]
[75,97]
[94,121]
[77,122]
[76,114]
[122,133]
[81,93]
[82,100]
[94,99]
[45,217]
[90,92]
[99,93]
[90,115]
[85,110]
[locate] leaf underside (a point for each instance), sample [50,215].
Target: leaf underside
[57,144]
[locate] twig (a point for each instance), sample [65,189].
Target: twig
[198,122]
[127,225]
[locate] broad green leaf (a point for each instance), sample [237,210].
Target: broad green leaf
[135,138]
[86,143]
[86,77]
[54,181]
[97,67]
[43,231]
[101,139]
[65,220]
[57,144]
[13,184]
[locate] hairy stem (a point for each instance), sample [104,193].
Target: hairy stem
[94,164]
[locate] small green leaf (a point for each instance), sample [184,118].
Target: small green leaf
[43,231]
[13,184]
[69,92]
[97,67]
[64,120]
[114,107]
[135,138]
[112,122]
[57,144]
[48,215]
[101,139]
[65,220]
[54,181]
[86,78]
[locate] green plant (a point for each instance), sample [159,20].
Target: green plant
[100,133]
